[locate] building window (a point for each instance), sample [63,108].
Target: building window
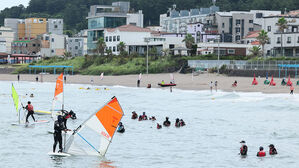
[289,40]
[118,38]
[238,21]
[70,48]
[269,41]
[114,38]
[76,47]
[250,29]
[117,48]
[250,21]
[106,38]
[238,38]
[231,51]
[269,28]
[52,51]
[55,26]
[47,38]
[76,40]
[33,45]
[238,29]
[258,15]
[113,48]
[110,38]
[52,40]
[0,33]
[298,39]
[223,25]
[278,40]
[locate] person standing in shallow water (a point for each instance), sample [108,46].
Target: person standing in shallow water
[261,153]
[36,78]
[216,84]
[138,83]
[272,150]
[243,148]
[211,86]
[18,77]
[166,123]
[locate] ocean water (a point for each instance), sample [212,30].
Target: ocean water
[215,124]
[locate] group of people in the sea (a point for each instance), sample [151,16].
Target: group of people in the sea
[166,123]
[260,153]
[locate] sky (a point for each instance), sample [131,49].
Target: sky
[9,3]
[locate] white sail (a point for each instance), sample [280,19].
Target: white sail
[94,136]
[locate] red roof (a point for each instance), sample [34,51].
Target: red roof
[129,28]
[253,34]
[255,43]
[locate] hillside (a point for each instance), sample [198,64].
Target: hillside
[74,12]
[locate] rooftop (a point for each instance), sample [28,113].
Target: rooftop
[129,28]
[253,34]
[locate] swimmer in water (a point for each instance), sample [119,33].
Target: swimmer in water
[243,148]
[166,123]
[177,123]
[261,153]
[134,115]
[272,150]
[159,126]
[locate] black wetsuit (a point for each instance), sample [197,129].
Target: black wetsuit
[243,150]
[166,123]
[121,129]
[30,113]
[58,127]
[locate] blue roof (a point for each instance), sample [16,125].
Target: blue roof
[49,66]
[288,65]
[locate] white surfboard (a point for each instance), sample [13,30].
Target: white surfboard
[60,154]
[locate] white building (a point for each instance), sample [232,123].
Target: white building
[290,36]
[176,21]
[224,48]
[6,38]
[135,40]
[52,45]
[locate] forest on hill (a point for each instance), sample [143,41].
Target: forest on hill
[74,12]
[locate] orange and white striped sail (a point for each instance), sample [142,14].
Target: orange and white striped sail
[104,123]
[58,95]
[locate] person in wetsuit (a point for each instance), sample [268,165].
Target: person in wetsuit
[121,128]
[67,115]
[177,122]
[134,115]
[243,148]
[58,128]
[166,123]
[182,122]
[159,126]
[30,112]
[272,150]
[144,117]
[261,153]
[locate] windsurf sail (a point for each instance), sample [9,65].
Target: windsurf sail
[16,101]
[58,94]
[94,136]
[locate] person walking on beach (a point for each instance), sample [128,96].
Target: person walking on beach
[64,79]
[211,86]
[292,89]
[30,111]
[216,84]
[18,77]
[36,78]
[138,83]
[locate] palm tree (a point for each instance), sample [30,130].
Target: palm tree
[263,39]
[189,41]
[121,46]
[282,24]
[255,51]
[101,45]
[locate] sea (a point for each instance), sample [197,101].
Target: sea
[216,122]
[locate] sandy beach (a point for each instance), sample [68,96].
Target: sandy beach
[183,81]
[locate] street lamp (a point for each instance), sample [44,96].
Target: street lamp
[218,55]
[147,40]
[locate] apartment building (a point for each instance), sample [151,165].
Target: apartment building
[175,21]
[75,45]
[28,47]
[103,16]
[52,44]
[6,38]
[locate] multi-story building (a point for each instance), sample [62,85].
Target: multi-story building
[176,21]
[235,25]
[52,45]
[137,40]
[6,38]
[203,32]
[75,45]
[26,29]
[55,26]
[28,47]
[290,36]
[103,16]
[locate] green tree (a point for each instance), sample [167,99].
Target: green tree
[122,49]
[263,39]
[255,51]
[282,24]
[67,55]
[189,41]
[101,45]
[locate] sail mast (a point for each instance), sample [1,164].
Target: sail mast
[62,91]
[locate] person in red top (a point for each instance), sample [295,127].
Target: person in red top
[30,112]
[261,153]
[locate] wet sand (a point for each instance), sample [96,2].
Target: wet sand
[183,81]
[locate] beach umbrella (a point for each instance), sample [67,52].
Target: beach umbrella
[102,76]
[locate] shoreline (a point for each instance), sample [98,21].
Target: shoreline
[183,81]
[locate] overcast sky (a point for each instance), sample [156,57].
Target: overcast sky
[10,3]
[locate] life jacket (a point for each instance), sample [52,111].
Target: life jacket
[261,154]
[29,107]
[67,116]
